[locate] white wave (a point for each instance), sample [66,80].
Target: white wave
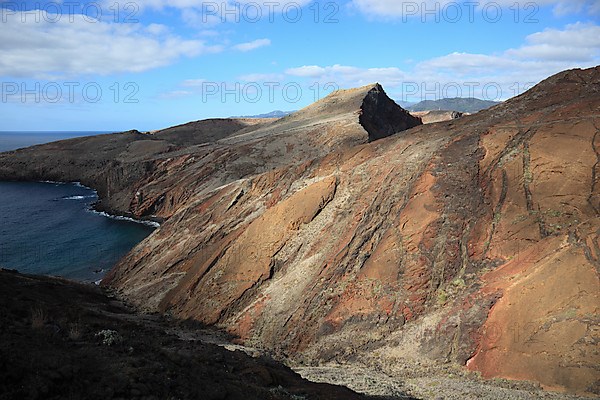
[74,183]
[104,214]
[121,218]
[79,197]
[79,184]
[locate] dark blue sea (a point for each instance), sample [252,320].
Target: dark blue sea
[17,140]
[51,229]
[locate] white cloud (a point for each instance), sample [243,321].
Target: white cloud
[544,53]
[512,71]
[255,44]
[578,42]
[82,46]
[307,71]
[193,83]
[157,29]
[564,7]
[577,35]
[345,76]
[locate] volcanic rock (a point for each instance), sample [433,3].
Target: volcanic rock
[474,240]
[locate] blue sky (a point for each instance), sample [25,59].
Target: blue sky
[110,65]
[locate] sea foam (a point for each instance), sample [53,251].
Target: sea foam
[122,218]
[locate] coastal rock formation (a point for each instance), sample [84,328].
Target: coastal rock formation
[151,175]
[474,241]
[114,164]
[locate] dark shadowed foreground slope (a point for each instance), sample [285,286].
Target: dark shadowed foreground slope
[62,340]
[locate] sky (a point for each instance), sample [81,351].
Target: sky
[120,65]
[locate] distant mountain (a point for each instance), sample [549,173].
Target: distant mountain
[405,104]
[272,114]
[465,105]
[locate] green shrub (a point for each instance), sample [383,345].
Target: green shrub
[109,337]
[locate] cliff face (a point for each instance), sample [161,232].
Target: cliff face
[473,240]
[119,165]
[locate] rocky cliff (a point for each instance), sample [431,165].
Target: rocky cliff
[117,165]
[473,241]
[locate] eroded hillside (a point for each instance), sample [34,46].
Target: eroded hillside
[473,240]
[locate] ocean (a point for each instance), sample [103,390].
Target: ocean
[15,140]
[50,228]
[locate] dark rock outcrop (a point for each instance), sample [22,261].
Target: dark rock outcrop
[382,117]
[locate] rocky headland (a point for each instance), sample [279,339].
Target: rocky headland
[348,233]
